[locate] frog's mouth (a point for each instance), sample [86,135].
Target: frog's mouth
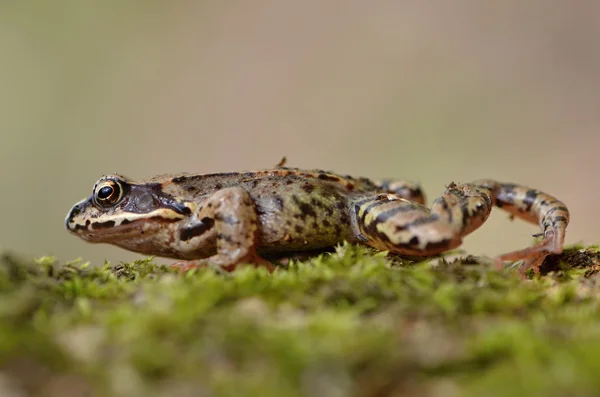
[94,225]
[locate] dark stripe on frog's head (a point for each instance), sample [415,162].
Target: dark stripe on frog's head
[143,199]
[136,198]
[126,203]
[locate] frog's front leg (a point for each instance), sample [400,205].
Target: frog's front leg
[227,219]
[389,222]
[532,206]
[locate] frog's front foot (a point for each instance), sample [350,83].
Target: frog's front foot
[232,218]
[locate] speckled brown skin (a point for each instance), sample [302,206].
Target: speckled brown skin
[232,218]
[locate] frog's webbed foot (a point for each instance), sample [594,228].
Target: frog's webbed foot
[533,256]
[533,206]
[388,222]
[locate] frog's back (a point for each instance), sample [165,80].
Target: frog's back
[262,182]
[297,209]
[301,209]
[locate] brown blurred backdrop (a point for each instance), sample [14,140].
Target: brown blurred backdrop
[430,90]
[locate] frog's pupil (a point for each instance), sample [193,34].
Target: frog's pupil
[105,192]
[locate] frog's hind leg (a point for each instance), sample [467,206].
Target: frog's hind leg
[532,206]
[408,190]
[389,222]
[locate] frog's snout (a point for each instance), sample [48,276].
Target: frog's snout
[71,220]
[69,224]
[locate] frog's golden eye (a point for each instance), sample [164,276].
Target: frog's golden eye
[108,193]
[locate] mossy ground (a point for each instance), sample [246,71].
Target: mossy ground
[352,322]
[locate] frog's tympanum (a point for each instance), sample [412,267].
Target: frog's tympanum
[231,218]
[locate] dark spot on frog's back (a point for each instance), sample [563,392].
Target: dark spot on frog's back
[327,177]
[308,187]
[307,210]
[344,218]
[338,230]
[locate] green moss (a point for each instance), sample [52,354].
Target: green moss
[352,322]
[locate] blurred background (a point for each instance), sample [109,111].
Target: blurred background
[429,90]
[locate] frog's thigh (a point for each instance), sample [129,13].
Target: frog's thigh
[388,222]
[236,225]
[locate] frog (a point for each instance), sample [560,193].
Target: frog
[227,219]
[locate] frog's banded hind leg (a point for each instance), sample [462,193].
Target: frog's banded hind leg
[233,222]
[408,190]
[532,206]
[388,222]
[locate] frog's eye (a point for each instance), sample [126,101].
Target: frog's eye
[108,193]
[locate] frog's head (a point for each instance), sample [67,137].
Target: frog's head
[124,213]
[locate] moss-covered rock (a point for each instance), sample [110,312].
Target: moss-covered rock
[351,322]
